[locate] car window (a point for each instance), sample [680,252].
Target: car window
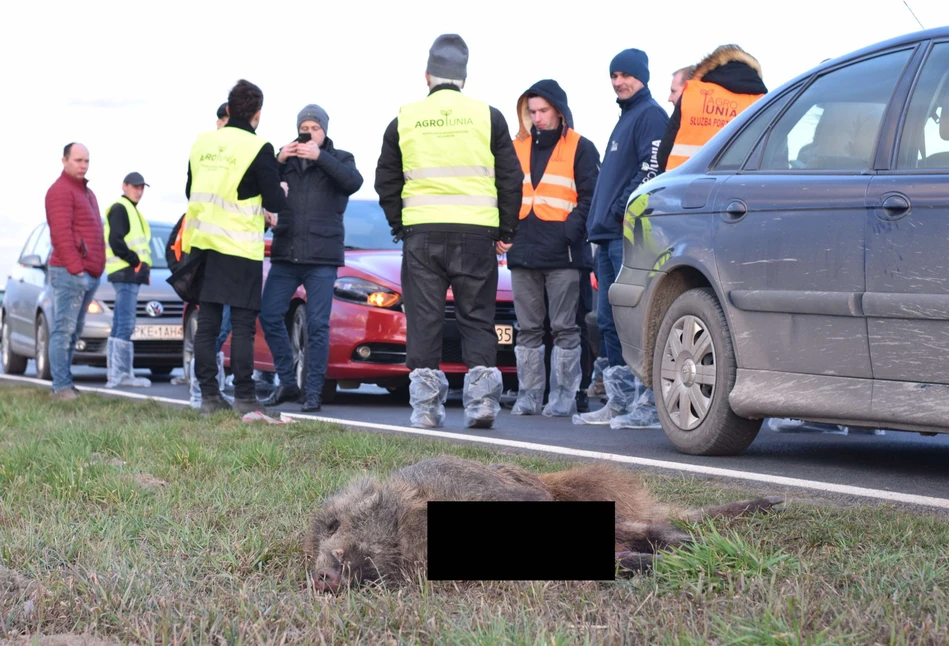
[366,226]
[740,147]
[31,242]
[924,142]
[834,124]
[158,243]
[44,246]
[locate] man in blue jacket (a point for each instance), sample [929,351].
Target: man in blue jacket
[631,158]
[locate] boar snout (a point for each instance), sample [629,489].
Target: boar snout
[327,580]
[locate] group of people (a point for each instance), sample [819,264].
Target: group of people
[458,191]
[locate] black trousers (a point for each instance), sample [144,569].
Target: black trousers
[433,261]
[243,326]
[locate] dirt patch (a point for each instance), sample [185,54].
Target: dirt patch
[148,481]
[98,458]
[12,583]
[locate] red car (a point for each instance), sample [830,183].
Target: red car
[367,323]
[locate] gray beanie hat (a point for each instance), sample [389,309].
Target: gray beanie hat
[448,58]
[314,112]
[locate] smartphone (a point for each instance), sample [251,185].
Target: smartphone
[304,137]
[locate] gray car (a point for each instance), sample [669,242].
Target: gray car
[26,313]
[796,266]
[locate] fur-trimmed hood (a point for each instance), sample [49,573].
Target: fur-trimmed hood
[733,68]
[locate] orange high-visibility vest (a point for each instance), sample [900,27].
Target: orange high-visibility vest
[706,108]
[556,193]
[177,246]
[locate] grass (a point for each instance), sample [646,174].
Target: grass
[148,524]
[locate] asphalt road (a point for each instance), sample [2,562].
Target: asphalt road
[901,462]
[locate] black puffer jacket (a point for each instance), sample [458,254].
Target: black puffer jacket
[555,245]
[310,230]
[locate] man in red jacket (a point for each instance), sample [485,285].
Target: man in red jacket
[77,262]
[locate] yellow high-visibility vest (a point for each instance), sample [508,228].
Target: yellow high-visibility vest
[445,141]
[216,219]
[138,239]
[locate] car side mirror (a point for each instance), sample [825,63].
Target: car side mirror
[32,260]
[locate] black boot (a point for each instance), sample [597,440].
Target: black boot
[312,405]
[244,406]
[583,401]
[214,404]
[283,393]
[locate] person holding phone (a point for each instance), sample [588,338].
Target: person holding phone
[307,250]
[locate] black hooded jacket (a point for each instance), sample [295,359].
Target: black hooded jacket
[729,67]
[541,244]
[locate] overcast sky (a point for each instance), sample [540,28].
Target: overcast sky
[137,81]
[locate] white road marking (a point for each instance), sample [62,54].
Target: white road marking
[879,494]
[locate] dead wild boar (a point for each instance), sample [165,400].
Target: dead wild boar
[374,530]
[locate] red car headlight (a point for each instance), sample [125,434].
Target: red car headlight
[365,292]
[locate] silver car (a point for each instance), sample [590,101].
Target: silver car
[26,313]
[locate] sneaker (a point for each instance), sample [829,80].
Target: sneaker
[312,406]
[211,405]
[64,395]
[244,406]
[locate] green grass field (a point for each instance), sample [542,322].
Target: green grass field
[142,523]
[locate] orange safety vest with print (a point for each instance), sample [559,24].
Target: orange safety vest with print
[706,108]
[556,193]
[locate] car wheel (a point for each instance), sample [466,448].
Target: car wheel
[43,370]
[694,369]
[299,344]
[13,364]
[187,347]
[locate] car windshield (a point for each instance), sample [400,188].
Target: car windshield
[366,227]
[160,233]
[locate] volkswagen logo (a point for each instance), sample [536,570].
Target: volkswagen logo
[154,309]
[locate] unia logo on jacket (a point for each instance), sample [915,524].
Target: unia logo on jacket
[444,120]
[718,107]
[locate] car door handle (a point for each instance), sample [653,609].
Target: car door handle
[736,210]
[895,206]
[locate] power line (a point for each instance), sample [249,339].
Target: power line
[914,14]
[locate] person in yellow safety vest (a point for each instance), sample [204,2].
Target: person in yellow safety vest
[128,258]
[722,86]
[232,178]
[450,185]
[550,249]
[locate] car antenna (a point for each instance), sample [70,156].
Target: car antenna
[914,14]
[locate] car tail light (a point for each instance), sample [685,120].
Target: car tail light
[94,308]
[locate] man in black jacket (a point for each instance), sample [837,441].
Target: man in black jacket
[550,248]
[450,184]
[307,250]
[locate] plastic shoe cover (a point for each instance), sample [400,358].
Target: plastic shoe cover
[641,415]
[120,357]
[428,391]
[196,387]
[530,380]
[596,388]
[482,396]
[565,376]
[622,388]
[788,425]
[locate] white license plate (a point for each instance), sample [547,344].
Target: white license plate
[505,334]
[158,332]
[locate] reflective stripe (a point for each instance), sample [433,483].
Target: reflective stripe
[559,180]
[527,180]
[449,200]
[684,150]
[449,171]
[241,209]
[555,202]
[213,229]
[136,242]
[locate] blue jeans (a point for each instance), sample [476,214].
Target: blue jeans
[71,298]
[225,328]
[123,313]
[282,282]
[609,260]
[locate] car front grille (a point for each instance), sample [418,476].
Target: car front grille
[170,309]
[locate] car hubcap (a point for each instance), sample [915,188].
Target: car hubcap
[688,372]
[298,341]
